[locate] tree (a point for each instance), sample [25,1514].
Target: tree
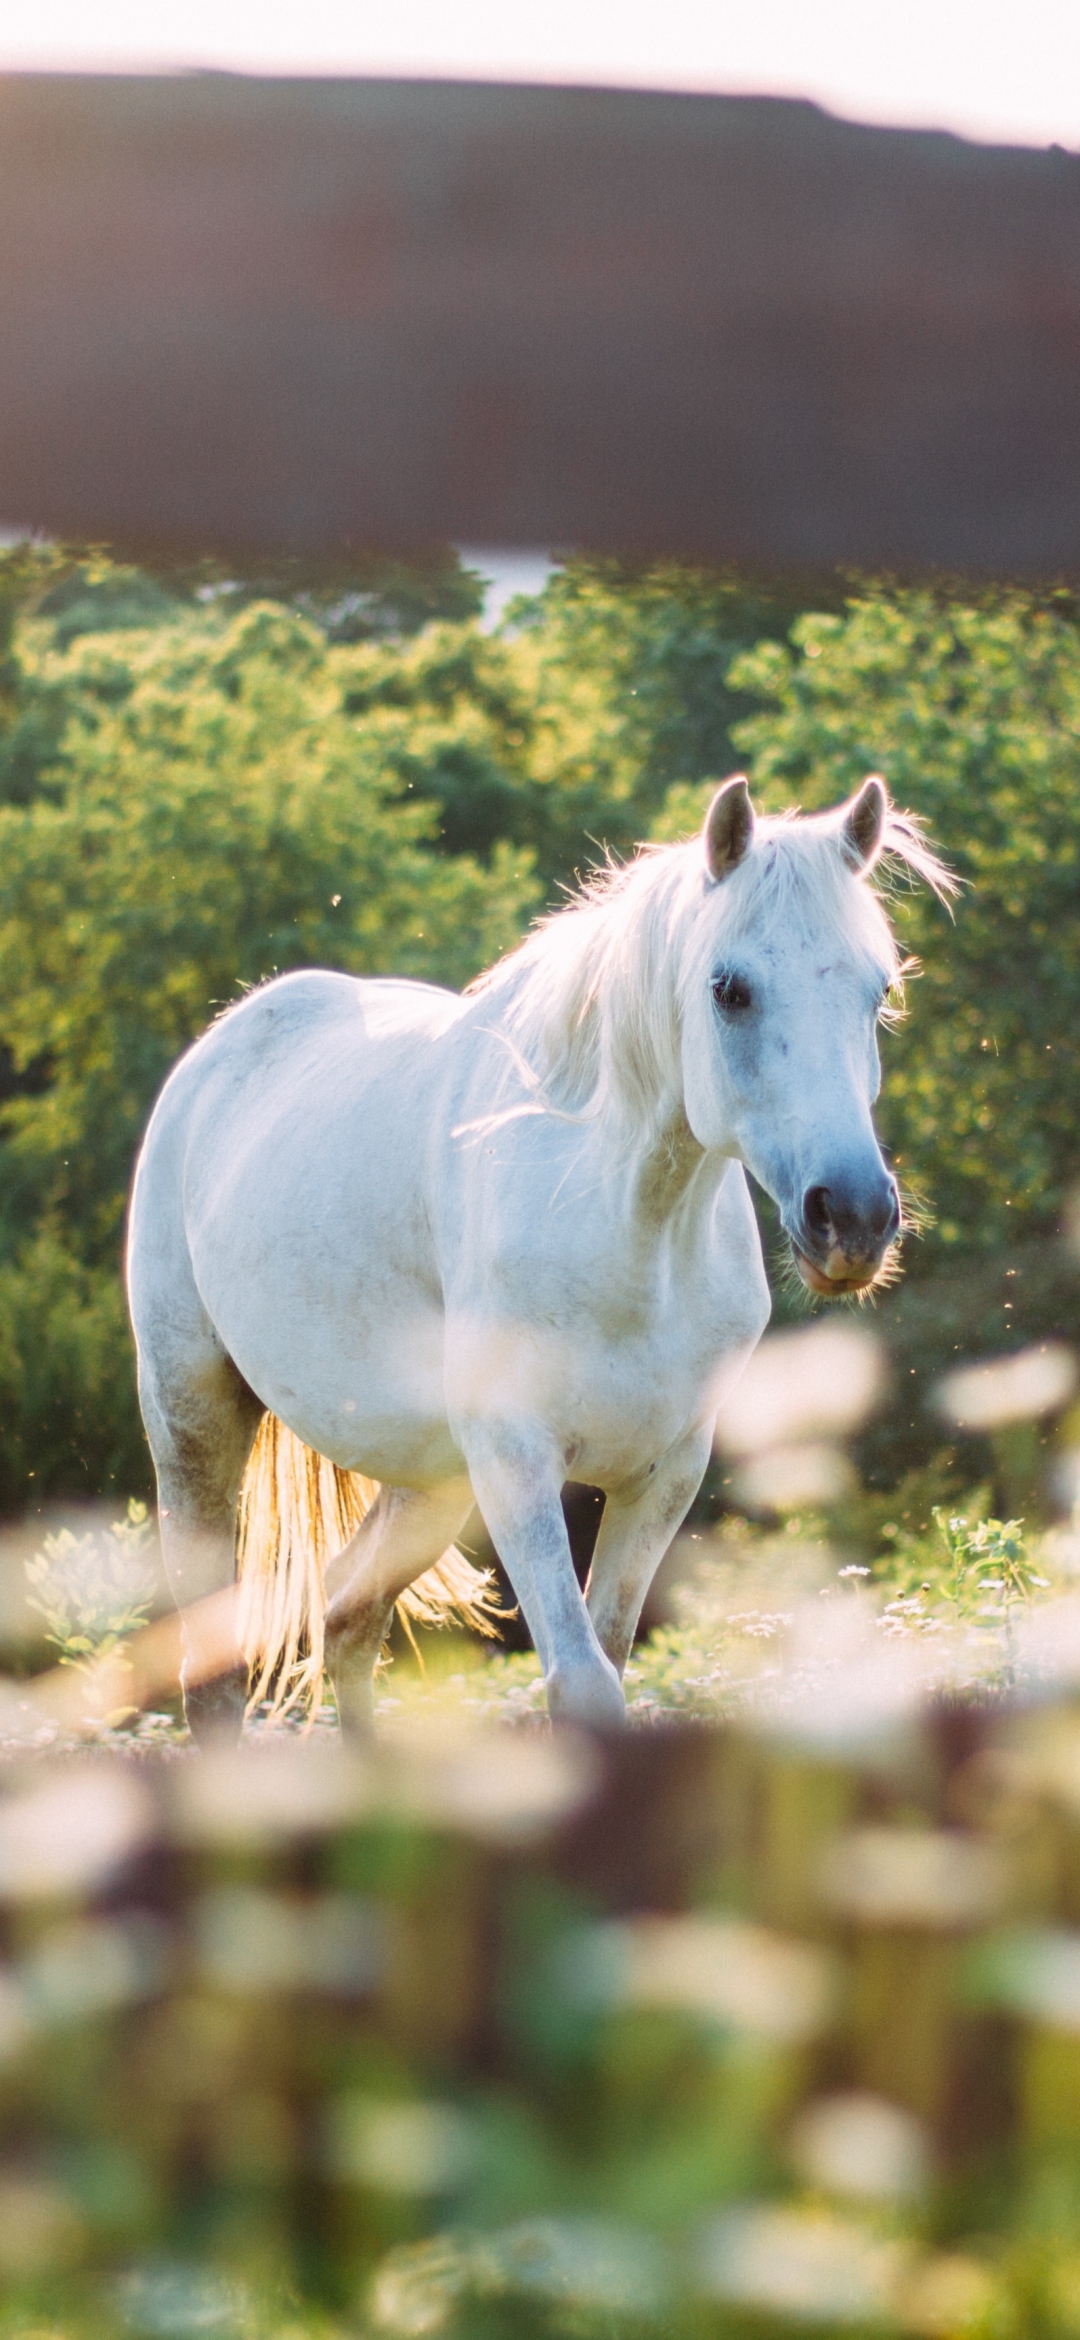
[71,590]
[570,724]
[628,667]
[206,777]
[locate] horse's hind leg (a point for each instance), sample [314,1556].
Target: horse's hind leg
[406,1531]
[201,1420]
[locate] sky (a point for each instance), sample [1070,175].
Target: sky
[1005,70]
[506,571]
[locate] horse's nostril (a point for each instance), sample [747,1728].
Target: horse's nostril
[817,1216]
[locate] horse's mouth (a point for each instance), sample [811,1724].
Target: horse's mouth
[848,1277]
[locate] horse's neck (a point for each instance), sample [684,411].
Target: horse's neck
[653,1186]
[659,1181]
[665,1197]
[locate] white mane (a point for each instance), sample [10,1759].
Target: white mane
[590,1001]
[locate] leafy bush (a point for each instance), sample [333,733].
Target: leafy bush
[93,1591]
[975,1568]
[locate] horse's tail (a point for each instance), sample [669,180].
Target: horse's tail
[296,1511]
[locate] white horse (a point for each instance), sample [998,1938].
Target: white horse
[471,1247]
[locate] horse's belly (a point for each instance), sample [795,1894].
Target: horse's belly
[400,1450]
[359,1382]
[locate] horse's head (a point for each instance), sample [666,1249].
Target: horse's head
[791,964]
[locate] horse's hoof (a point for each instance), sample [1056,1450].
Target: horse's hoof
[215,1710]
[589,1695]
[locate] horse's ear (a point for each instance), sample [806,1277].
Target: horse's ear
[729,827]
[863,832]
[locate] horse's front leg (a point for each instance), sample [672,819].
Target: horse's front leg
[639,1523]
[517,1480]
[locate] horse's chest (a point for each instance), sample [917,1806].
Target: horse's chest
[615,1333]
[619,1373]
[640,1383]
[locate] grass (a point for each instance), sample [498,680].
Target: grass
[756,1617]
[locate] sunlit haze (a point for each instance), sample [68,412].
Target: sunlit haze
[986,68]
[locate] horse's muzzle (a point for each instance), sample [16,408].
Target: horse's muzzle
[842,1238]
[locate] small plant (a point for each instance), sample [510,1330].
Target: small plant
[975,1574]
[93,1591]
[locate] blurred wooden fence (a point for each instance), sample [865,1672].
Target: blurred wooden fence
[481,2032]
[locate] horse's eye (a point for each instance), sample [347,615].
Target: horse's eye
[731,991]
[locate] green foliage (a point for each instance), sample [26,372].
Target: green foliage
[564,732]
[351,596]
[69,1417]
[74,590]
[971,709]
[103,597]
[94,1591]
[216,818]
[26,570]
[451,716]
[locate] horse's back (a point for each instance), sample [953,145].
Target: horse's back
[309,1040]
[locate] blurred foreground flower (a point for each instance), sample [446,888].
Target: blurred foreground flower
[862,2146]
[68,1833]
[1036,1971]
[800,1393]
[501,1786]
[267,1791]
[505,1787]
[88,1966]
[178,2298]
[791,1478]
[726,1971]
[801,2263]
[1008,1389]
[821,1381]
[919,1877]
[253,1940]
[418,2146]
